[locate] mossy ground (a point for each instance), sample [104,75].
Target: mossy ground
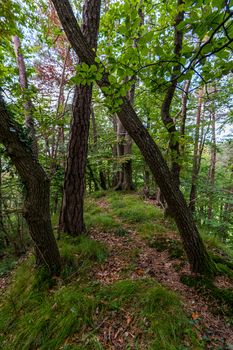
[74,310]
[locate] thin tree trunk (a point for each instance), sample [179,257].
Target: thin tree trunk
[120,154]
[92,177]
[196,154]
[198,257]
[102,176]
[212,165]
[115,177]
[127,165]
[2,226]
[36,206]
[184,115]
[71,217]
[28,105]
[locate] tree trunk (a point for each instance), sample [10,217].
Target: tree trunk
[196,154]
[3,233]
[28,105]
[212,165]
[127,165]
[36,209]
[71,217]
[184,115]
[120,153]
[102,176]
[198,257]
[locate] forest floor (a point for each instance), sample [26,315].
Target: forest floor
[138,289]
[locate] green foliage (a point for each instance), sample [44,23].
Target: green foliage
[87,75]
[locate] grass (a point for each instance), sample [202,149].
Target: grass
[95,217]
[130,208]
[7,263]
[80,254]
[67,318]
[69,312]
[174,247]
[215,245]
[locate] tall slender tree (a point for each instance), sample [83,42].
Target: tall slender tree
[198,147]
[71,216]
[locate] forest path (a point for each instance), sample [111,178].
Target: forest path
[130,257]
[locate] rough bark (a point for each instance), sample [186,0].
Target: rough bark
[28,105]
[71,217]
[36,206]
[198,257]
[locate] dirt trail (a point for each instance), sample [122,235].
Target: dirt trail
[131,257]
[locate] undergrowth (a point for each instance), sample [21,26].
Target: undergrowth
[69,312]
[38,312]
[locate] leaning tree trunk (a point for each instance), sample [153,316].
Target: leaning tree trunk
[198,257]
[36,208]
[71,216]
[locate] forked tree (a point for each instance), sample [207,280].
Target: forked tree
[199,259]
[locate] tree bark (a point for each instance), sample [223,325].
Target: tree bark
[71,216]
[198,257]
[36,206]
